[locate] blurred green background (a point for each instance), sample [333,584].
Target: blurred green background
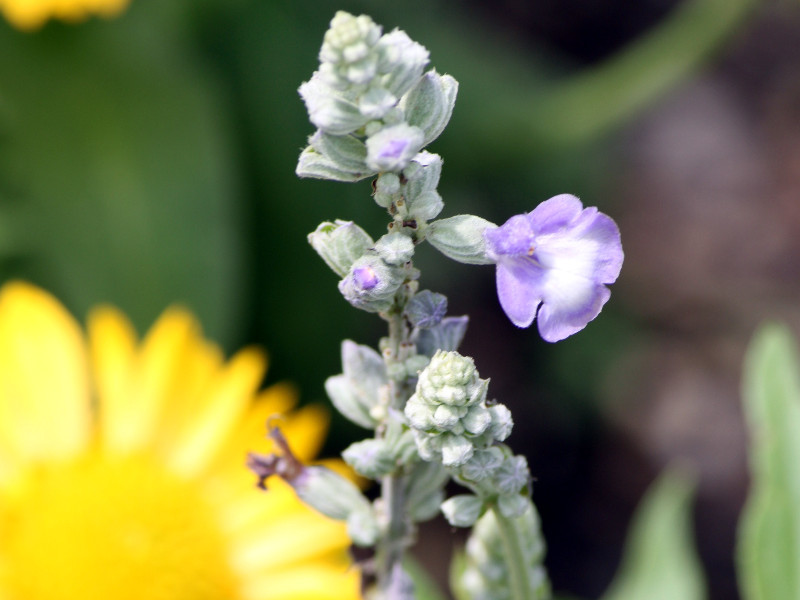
[149,160]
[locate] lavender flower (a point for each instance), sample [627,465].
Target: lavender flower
[554,263]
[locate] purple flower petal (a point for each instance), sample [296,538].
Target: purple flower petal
[519,293]
[555,260]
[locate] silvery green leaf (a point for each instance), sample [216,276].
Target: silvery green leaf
[318,166]
[415,364]
[362,527]
[512,505]
[426,309]
[371,458]
[512,475]
[348,401]
[461,238]
[422,173]
[328,109]
[482,464]
[445,336]
[345,151]
[462,510]
[426,206]
[402,59]
[365,365]
[429,105]
[424,494]
[340,244]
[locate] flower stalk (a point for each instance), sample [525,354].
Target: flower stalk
[519,581]
[376,109]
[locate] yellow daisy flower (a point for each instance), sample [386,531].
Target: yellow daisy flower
[32,14]
[122,466]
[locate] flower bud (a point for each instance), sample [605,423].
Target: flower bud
[452,379]
[502,423]
[376,103]
[461,238]
[391,148]
[348,50]
[403,61]
[462,510]
[328,109]
[328,492]
[371,284]
[395,248]
[340,244]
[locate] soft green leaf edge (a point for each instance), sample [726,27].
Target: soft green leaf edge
[660,561]
[768,550]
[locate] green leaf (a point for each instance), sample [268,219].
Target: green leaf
[660,562]
[117,157]
[424,585]
[768,552]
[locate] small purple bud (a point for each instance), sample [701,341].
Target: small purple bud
[365,277]
[392,148]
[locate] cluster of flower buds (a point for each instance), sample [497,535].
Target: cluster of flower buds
[375,110]
[483,572]
[448,412]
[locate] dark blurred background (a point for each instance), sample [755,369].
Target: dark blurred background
[149,160]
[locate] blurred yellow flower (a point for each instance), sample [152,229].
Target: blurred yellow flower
[122,466]
[31,14]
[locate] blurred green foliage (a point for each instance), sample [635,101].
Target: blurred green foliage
[768,550]
[150,159]
[660,562]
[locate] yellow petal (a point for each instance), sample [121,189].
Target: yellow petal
[305,430]
[251,435]
[308,582]
[220,409]
[44,382]
[112,345]
[155,379]
[297,536]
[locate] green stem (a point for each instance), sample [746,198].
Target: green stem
[518,572]
[398,531]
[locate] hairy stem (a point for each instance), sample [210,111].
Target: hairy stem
[398,529]
[518,572]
